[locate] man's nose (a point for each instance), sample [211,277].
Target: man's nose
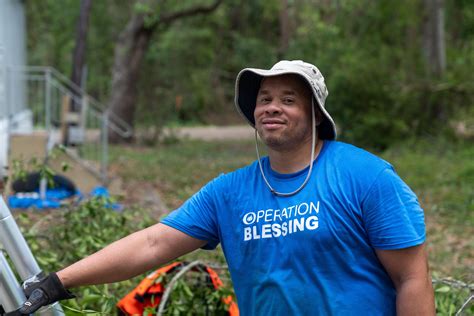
[273,108]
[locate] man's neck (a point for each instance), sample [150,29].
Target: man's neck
[294,160]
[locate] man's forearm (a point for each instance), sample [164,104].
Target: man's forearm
[415,297]
[128,257]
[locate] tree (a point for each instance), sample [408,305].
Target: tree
[78,61]
[434,54]
[81,43]
[132,45]
[433,37]
[284,28]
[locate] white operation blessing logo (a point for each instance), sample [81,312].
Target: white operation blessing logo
[274,223]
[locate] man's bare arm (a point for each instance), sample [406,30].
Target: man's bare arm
[408,269]
[130,256]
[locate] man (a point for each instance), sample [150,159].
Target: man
[316,228]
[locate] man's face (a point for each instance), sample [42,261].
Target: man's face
[283,112]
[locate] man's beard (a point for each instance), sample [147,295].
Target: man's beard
[285,142]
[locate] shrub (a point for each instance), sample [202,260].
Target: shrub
[65,236]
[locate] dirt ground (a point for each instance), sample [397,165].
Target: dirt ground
[213,132]
[145,194]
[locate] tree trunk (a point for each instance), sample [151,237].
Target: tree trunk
[78,60]
[284,29]
[433,38]
[129,51]
[236,15]
[434,55]
[79,56]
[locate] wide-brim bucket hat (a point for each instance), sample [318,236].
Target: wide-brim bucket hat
[248,83]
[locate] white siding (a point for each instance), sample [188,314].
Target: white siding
[12,53]
[12,88]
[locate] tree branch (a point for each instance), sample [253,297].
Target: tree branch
[170,17]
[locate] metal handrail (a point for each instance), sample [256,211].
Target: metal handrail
[115,123]
[48,112]
[94,110]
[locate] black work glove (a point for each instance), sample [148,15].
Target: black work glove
[44,292]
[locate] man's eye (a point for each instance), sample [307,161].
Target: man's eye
[288,101]
[265,100]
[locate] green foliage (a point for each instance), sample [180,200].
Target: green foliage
[51,27]
[65,236]
[194,294]
[442,171]
[379,92]
[21,168]
[449,300]
[369,51]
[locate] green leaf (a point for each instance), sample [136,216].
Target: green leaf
[443,289]
[64,166]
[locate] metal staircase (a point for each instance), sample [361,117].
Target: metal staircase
[36,101]
[47,98]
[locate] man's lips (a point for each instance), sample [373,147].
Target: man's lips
[271,124]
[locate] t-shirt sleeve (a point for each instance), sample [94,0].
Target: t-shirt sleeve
[197,216]
[392,215]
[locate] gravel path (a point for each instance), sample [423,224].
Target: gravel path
[215,132]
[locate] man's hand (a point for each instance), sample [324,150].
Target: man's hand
[44,292]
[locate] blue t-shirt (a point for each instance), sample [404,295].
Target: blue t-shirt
[312,253]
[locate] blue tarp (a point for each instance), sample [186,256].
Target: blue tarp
[33,199]
[54,197]
[104,193]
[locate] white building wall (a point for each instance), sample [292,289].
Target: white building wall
[3,146]
[14,116]
[12,54]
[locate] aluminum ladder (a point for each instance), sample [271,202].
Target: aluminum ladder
[13,242]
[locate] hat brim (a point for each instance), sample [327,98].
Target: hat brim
[247,86]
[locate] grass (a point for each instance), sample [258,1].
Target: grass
[182,168]
[442,175]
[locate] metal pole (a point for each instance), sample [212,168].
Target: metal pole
[9,114]
[47,99]
[23,260]
[11,294]
[4,84]
[8,91]
[43,185]
[13,82]
[105,145]
[47,124]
